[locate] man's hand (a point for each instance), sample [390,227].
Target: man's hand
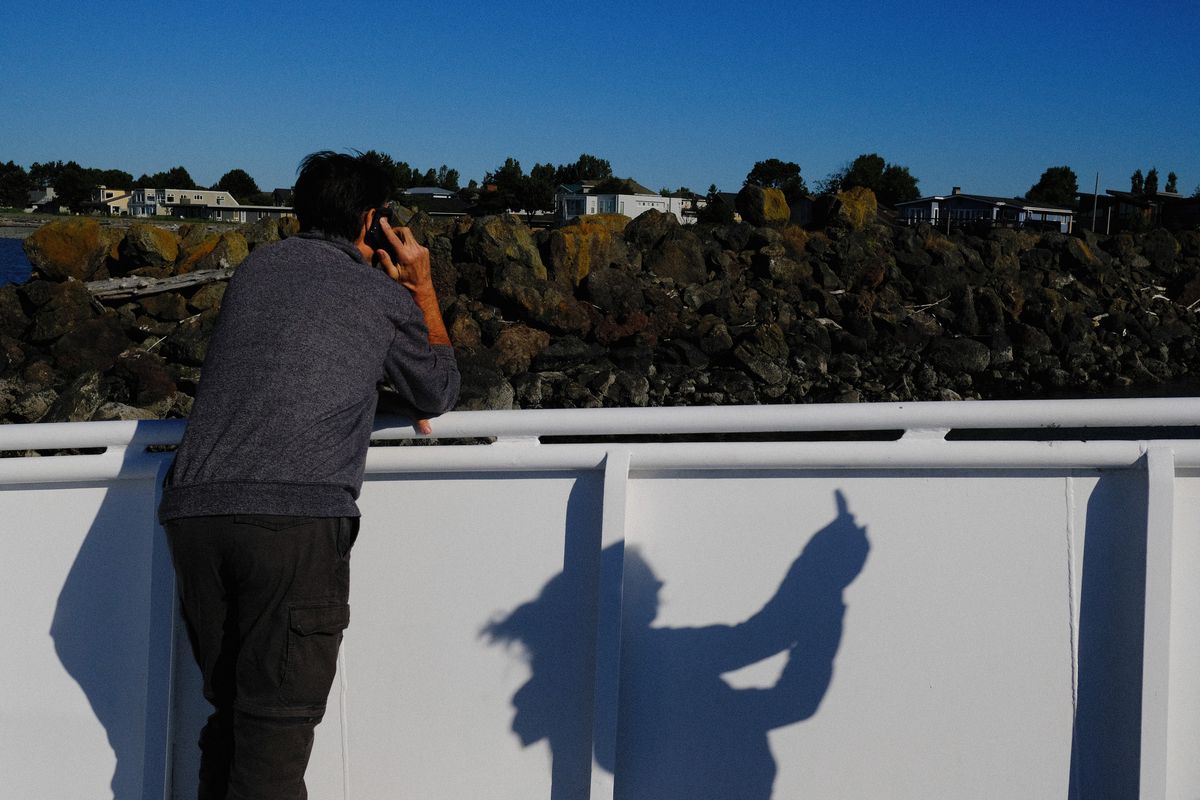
[411,266]
[411,270]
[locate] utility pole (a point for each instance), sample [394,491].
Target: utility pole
[1095,200]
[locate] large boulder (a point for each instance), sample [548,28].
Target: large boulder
[70,248]
[261,231]
[216,251]
[857,206]
[649,228]
[760,206]
[78,401]
[92,344]
[539,300]
[148,246]
[517,346]
[147,376]
[13,320]
[484,386]
[584,244]
[503,239]
[57,307]
[679,257]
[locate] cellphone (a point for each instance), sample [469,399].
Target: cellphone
[375,238]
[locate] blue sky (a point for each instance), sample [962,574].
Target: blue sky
[979,95]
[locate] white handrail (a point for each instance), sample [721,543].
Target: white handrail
[531,423]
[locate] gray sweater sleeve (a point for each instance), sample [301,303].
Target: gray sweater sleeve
[424,376]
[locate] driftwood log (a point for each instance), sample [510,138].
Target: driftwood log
[136,286]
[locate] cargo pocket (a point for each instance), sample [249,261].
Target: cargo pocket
[314,634]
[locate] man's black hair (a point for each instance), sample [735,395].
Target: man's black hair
[333,191]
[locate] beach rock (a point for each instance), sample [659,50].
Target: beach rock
[262,231]
[857,206]
[615,291]
[650,228]
[90,345]
[57,307]
[484,386]
[541,301]
[32,404]
[678,257]
[501,240]
[517,346]
[147,245]
[109,411]
[167,306]
[146,375]
[188,342]
[219,251]
[71,248]
[208,297]
[13,319]
[77,402]
[759,206]
[584,244]
[958,355]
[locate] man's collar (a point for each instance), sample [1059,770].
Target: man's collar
[340,243]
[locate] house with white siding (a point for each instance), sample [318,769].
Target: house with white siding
[626,197]
[208,204]
[958,208]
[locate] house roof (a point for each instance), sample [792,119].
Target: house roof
[1016,202]
[430,190]
[587,187]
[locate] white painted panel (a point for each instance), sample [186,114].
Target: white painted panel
[431,701]
[953,674]
[76,596]
[1184,713]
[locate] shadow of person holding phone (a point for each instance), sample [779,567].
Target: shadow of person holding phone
[682,731]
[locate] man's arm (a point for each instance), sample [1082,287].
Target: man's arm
[411,269]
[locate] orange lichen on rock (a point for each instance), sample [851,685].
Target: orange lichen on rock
[69,248]
[857,205]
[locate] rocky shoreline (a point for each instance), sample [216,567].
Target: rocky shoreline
[605,311]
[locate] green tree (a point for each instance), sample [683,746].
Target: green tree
[716,211]
[776,174]
[1172,183]
[174,178]
[1058,185]
[112,178]
[15,185]
[505,188]
[586,168]
[1150,189]
[447,178]
[1136,182]
[73,185]
[540,187]
[43,175]
[239,184]
[891,183]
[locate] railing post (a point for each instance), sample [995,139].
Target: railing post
[1156,648]
[608,628]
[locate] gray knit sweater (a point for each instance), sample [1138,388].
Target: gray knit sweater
[283,414]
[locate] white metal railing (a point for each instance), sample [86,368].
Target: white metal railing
[1014,511]
[922,443]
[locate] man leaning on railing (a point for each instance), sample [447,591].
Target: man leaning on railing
[259,504]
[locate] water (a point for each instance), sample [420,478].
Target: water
[14,266]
